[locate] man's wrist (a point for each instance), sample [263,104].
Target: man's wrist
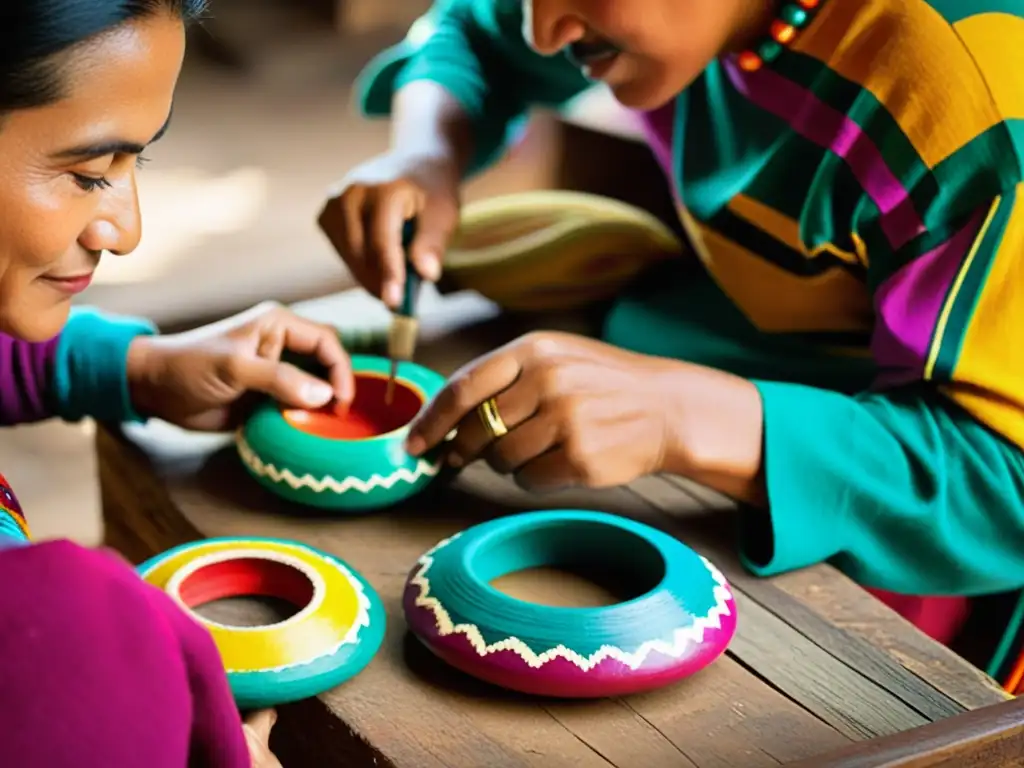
[715,429]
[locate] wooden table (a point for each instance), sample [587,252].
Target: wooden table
[816,666]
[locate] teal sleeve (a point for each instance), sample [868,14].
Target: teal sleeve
[475,49]
[902,491]
[90,369]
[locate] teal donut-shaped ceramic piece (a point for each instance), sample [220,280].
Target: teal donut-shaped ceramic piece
[337,630]
[352,462]
[682,620]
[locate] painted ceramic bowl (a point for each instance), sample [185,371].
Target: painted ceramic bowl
[355,461]
[682,620]
[336,632]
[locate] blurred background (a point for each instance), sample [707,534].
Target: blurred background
[263,124]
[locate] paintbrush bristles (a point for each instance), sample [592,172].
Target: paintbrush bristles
[402,337]
[401,346]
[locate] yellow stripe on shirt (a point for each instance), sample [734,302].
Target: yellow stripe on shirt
[990,367]
[786,230]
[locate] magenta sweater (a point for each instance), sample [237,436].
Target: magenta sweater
[97,669]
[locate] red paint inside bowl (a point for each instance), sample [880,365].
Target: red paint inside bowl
[368,416]
[246,577]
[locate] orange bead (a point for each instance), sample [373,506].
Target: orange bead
[750,61]
[783,32]
[810,5]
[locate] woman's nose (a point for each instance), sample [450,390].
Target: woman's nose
[117,227]
[550,25]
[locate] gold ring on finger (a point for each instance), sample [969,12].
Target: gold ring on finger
[492,421]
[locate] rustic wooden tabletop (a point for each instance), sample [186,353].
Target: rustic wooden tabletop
[816,664]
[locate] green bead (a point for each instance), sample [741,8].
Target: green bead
[794,15]
[769,50]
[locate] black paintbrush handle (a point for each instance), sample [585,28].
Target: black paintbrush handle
[413,281]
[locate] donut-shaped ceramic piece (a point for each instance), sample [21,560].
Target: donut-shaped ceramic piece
[355,461]
[553,249]
[335,634]
[682,621]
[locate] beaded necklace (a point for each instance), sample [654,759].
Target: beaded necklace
[794,16]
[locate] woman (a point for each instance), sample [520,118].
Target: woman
[846,359]
[97,668]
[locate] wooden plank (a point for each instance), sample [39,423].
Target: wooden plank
[992,737]
[850,624]
[407,708]
[848,699]
[859,613]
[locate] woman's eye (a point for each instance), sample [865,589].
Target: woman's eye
[90,183]
[141,160]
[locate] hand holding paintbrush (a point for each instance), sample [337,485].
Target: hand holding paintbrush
[404,330]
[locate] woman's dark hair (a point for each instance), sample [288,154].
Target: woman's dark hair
[33,34]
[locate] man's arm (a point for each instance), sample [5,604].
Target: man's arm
[462,81]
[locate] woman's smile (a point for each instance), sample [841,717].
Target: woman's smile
[70,284]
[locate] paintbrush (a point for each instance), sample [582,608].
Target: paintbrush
[404,325]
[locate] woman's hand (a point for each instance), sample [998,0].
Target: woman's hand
[364,219]
[257,727]
[196,379]
[578,412]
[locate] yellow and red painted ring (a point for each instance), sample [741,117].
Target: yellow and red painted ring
[338,629]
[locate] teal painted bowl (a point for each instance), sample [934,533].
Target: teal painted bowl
[351,462]
[682,618]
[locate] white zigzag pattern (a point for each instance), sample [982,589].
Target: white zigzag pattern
[424,468]
[681,641]
[362,621]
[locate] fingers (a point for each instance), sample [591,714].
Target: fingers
[257,727]
[259,724]
[284,382]
[364,224]
[487,377]
[282,330]
[341,220]
[548,472]
[530,440]
[305,337]
[395,207]
[515,406]
[434,230]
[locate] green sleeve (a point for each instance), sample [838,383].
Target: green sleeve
[902,491]
[475,49]
[90,368]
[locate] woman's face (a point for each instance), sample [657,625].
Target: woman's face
[646,51]
[67,171]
